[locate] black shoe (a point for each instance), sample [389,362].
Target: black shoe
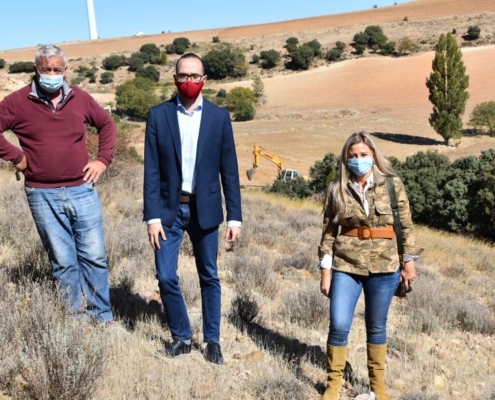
[176,348]
[213,353]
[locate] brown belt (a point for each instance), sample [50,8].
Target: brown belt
[365,233]
[187,198]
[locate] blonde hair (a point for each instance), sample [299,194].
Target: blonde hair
[338,190]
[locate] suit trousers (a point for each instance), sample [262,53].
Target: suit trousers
[205,248]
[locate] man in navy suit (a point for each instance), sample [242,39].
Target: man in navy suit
[189,157]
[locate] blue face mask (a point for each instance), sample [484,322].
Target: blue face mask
[51,83]
[360,166]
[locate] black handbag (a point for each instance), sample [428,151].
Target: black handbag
[401,290]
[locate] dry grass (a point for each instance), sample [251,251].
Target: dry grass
[275,321]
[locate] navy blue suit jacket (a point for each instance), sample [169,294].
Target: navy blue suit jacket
[216,162]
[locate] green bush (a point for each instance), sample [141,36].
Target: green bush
[182,41]
[151,49]
[136,97]
[21,66]
[360,48]
[220,63]
[106,77]
[315,45]
[2,63]
[296,189]
[333,55]
[473,32]
[170,48]
[323,172]
[111,63]
[255,59]
[92,79]
[388,48]
[143,56]
[302,57]
[135,63]
[241,102]
[215,39]
[150,72]
[270,58]
[340,45]
[375,35]
[222,93]
[292,40]
[483,116]
[163,58]
[406,45]
[77,80]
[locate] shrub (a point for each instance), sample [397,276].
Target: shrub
[483,116]
[406,45]
[388,48]
[296,189]
[306,307]
[151,49]
[270,58]
[333,55]
[111,63]
[182,42]
[142,55]
[375,35]
[292,41]
[258,86]
[2,63]
[360,48]
[215,39]
[473,32]
[135,63]
[170,48]
[302,57]
[340,45]
[150,72]
[315,45]
[244,112]
[221,63]
[323,172]
[255,58]
[136,97]
[239,95]
[163,58]
[21,66]
[106,77]
[77,80]
[244,307]
[222,93]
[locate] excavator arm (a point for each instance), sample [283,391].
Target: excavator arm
[261,152]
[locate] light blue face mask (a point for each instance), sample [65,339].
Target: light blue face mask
[51,83]
[360,166]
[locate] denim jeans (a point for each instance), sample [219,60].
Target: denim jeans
[69,222]
[205,248]
[344,294]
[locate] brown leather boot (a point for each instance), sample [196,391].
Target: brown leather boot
[336,358]
[376,370]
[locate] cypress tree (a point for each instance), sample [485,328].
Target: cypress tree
[447,85]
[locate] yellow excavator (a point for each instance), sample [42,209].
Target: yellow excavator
[283,174]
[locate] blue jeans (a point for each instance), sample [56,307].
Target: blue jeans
[344,294]
[205,248]
[69,223]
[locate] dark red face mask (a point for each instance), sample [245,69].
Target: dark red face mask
[189,90]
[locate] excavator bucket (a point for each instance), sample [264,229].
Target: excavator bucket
[250,173]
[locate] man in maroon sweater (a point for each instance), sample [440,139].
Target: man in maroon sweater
[49,118]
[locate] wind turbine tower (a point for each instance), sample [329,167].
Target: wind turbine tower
[93,34]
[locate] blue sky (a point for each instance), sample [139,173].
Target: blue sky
[28,23]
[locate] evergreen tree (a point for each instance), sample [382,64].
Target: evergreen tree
[258,86]
[447,85]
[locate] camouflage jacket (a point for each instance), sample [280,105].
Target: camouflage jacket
[350,254]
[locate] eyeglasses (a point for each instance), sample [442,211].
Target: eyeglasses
[47,70]
[194,77]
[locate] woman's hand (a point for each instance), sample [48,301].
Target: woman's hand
[326,282]
[408,273]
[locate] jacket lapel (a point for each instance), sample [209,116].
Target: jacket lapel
[206,118]
[173,125]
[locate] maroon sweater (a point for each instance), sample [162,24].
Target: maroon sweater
[54,140]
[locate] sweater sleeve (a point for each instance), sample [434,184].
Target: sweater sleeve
[8,151]
[107,133]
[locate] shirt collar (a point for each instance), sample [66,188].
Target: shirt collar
[199,107]
[369,182]
[36,91]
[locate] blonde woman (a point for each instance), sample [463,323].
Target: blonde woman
[358,252]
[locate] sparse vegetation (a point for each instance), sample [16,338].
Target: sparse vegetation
[483,116]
